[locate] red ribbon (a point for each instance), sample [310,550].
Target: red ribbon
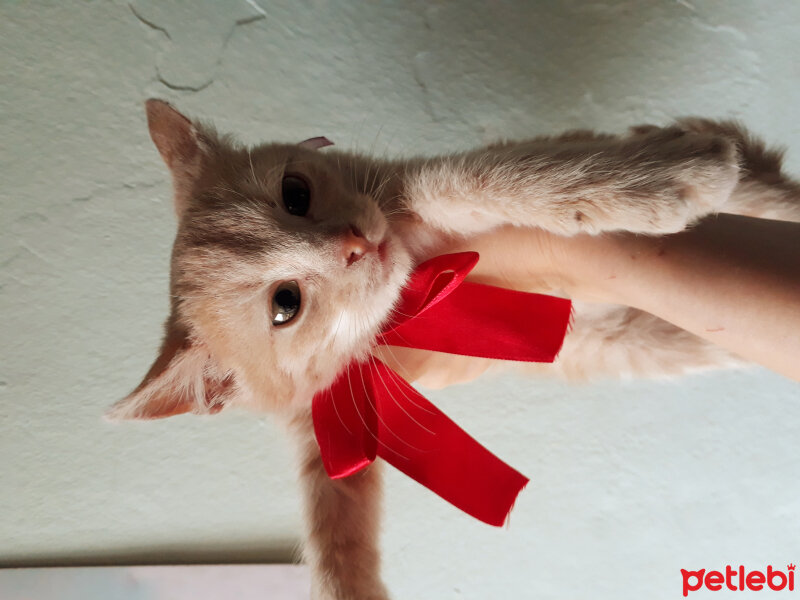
[371,411]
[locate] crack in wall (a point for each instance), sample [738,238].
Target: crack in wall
[194,49]
[181,88]
[149,24]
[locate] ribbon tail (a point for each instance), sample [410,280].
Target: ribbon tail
[345,422]
[490,322]
[422,442]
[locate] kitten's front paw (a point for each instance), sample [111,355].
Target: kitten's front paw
[680,177]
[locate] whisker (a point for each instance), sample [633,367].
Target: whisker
[252,170]
[389,429]
[407,397]
[371,360]
[232,191]
[376,193]
[363,421]
[400,406]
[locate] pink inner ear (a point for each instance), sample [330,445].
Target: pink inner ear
[316,143]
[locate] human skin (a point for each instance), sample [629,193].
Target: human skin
[732,280]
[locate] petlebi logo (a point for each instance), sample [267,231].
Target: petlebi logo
[739,579]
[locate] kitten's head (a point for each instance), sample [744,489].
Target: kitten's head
[282,272]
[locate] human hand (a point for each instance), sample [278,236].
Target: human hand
[523,259]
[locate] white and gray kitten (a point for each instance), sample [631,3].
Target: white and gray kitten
[288,260]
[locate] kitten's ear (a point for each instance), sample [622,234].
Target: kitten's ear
[181,143]
[184,378]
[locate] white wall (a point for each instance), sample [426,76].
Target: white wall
[630,482]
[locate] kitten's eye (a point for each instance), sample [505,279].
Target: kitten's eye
[285,303]
[296,195]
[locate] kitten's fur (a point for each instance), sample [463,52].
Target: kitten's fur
[236,241]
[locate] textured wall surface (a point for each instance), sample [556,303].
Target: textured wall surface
[630,482]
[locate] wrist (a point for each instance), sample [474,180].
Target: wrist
[518,258]
[600,268]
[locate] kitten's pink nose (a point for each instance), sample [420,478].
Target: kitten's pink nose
[355,245]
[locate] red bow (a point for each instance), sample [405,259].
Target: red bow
[370,410]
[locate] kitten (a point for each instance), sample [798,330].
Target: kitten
[288,259]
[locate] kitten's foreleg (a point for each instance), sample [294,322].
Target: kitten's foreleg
[653,183]
[342,522]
